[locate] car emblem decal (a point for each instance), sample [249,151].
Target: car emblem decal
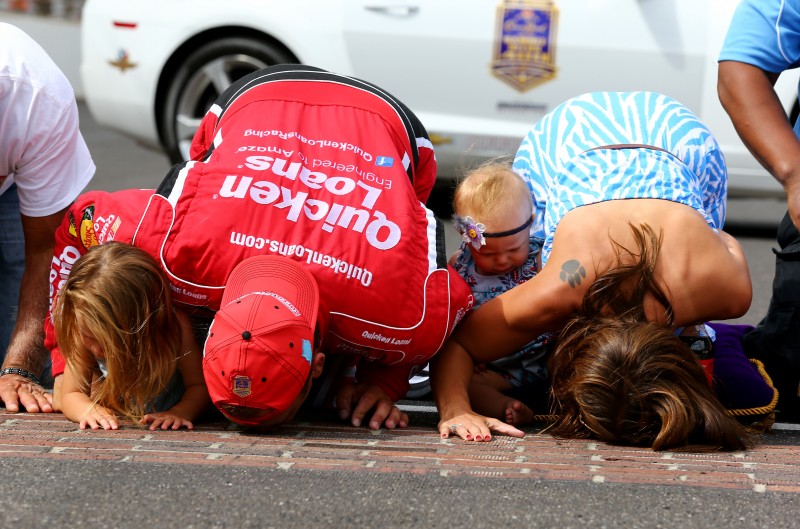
[525,43]
[439,139]
[123,61]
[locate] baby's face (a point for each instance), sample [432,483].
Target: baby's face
[501,255]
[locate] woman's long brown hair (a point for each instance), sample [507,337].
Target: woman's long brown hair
[621,379]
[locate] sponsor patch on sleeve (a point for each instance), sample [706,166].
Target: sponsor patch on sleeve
[87,234]
[72,229]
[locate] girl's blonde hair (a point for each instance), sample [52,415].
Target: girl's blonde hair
[489,192]
[621,379]
[120,296]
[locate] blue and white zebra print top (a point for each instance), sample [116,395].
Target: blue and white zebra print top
[563,172]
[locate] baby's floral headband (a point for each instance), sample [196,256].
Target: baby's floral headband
[471,231]
[474,233]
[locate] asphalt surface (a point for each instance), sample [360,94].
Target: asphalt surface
[318,472]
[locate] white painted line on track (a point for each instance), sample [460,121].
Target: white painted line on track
[416,407]
[785,426]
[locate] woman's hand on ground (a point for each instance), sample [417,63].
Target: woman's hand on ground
[474,427]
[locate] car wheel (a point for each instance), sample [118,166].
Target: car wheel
[201,78]
[419,385]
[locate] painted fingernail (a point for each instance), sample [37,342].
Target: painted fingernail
[469,438]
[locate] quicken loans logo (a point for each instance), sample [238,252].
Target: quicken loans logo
[378,230]
[338,266]
[384,339]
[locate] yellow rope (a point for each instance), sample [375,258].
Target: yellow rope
[762,410]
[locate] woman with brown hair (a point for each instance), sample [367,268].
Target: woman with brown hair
[629,192]
[620,378]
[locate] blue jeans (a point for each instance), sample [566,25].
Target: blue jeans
[12,264]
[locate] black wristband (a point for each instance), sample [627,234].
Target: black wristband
[21,372]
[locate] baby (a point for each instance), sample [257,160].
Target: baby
[493,212]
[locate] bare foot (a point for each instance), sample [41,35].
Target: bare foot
[517,414]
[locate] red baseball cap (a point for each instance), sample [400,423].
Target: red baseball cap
[260,344]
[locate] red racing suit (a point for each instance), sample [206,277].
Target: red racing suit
[324,169]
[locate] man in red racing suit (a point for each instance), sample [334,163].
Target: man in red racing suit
[327,170]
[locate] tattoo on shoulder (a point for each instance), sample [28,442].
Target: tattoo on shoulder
[572,272]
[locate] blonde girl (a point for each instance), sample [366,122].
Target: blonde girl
[129,352]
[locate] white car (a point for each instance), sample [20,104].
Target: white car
[478,73]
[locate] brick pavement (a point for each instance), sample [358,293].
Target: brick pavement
[327,447]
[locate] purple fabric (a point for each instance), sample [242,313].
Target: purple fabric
[737,380]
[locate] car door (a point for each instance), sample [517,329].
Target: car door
[480,72]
